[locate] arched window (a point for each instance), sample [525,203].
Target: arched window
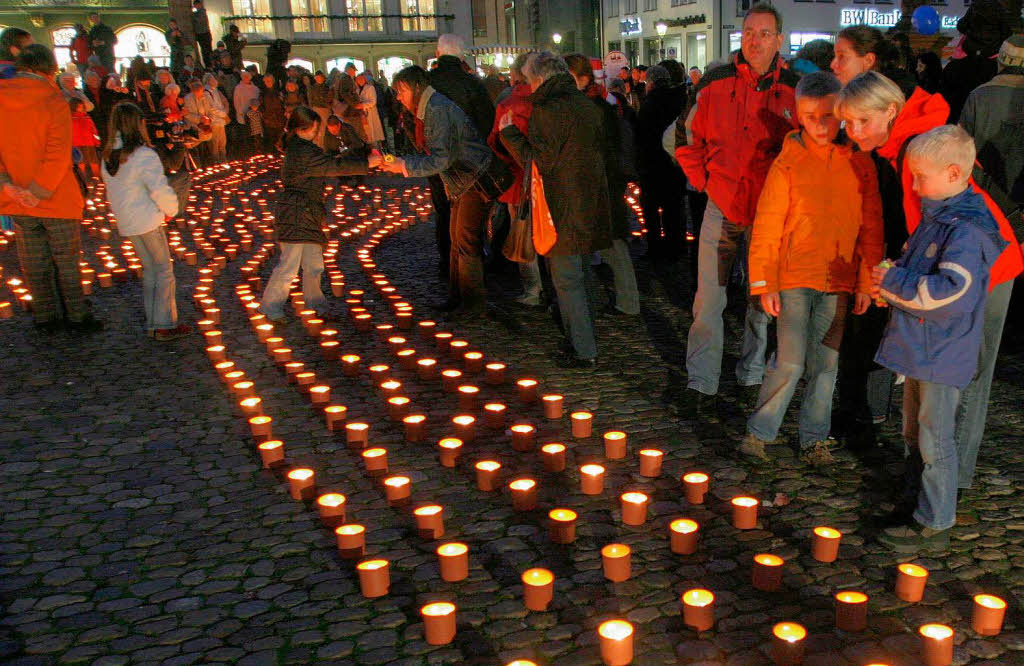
[246,63]
[143,40]
[341,61]
[391,66]
[62,38]
[300,62]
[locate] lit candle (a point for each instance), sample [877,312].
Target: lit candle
[495,373]
[527,389]
[524,494]
[398,407]
[562,525]
[335,416]
[699,609]
[454,560]
[788,643]
[271,452]
[351,541]
[592,479]
[415,427]
[389,388]
[430,521]
[260,426]
[439,622]
[538,589]
[683,536]
[650,462]
[450,380]
[467,397]
[487,472]
[251,406]
[305,378]
[427,329]
[554,456]
[379,373]
[216,353]
[301,483]
[616,642]
[582,423]
[282,355]
[223,368]
[331,507]
[406,358]
[441,340]
[936,644]
[766,574]
[320,394]
[617,562]
[397,490]
[910,582]
[744,513]
[465,427]
[426,368]
[449,451]
[374,578]
[357,435]
[634,508]
[988,614]
[825,544]
[272,343]
[553,406]
[376,461]
[457,348]
[851,610]
[615,445]
[350,365]
[696,486]
[292,368]
[474,362]
[523,437]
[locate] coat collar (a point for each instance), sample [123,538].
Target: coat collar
[421,108]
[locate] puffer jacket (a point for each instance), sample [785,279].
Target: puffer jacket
[300,214]
[923,112]
[138,192]
[735,131]
[819,221]
[937,291]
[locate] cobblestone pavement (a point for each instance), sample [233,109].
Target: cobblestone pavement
[140,527]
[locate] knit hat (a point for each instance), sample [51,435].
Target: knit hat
[1011,53]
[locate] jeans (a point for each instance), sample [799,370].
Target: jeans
[157,279]
[810,328]
[308,256]
[627,297]
[929,414]
[973,408]
[719,250]
[569,274]
[466,260]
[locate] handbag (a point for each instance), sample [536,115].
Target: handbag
[518,245]
[544,233]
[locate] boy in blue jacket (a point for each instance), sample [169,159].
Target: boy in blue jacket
[937,290]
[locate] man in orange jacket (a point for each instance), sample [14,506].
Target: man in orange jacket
[40,191]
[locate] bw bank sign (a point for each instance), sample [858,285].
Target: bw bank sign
[881,19]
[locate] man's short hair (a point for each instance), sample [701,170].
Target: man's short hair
[413,76]
[695,67]
[542,65]
[450,44]
[944,145]
[520,62]
[349,65]
[658,76]
[36,58]
[818,85]
[765,8]
[12,38]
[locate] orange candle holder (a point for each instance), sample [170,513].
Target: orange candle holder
[397,490]
[524,494]
[426,368]
[616,639]
[592,479]
[351,541]
[696,486]
[911,580]
[650,462]
[302,483]
[494,415]
[389,388]
[615,445]
[562,525]
[350,365]
[374,578]
[454,561]
[320,394]
[634,508]
[216,353]
[936,644]
[468,397]
[465,427]
[988,614]
[427,329]
[473,362]
[766,574]
[357,434]
[261,426]
[375,461]
[450,379]
[487,473]
[616,560]
[305,378]
[851,610]
[744,513]
[582,424]
[335,416]
[449,451]
[331,508]
[252,406]
[825,544]
[683,536]
[398,407]
[523,437]
[553,455]
[282,355]
[456,348]
[415,427]
[494,373]
[527,390]
[406,358]
[553,406]
[441,340]
[439,622]
[699,609]
[271,452]
[538,589]
[430,521]
[788,643]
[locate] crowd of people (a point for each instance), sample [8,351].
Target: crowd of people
[835,189]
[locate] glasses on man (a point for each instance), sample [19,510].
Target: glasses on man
[763,34]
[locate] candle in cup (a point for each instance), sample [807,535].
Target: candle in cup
[216,353]
[467,397]
[351,541]
[538,589]
[397,490]
[523,436]
[851,610]
[988,614]
[650,462]
[374,578]
[376,461]
[495,373]
[426,368]
[474,362]
[357,434]
[454,559]
[335,416]
[415,427]
[251,406]
[553,408]
[788,643]
[465,427]
[398,407]
[696,486]
[527,389]
[767,572]
[305,378]
[744,513]
[450,380]
[449,451]
[430,521]
[271,452]
[554,456]
[331,508]
[616,642]
[260,426]
[427,329]
[350,365]
[699,609]
[683,536]
[438,622]
[301,483]
[562,525]
[524,494]
[389,388]
[615,445]
[582,424]
[406,358]
[616,560]
[592,479]
[825,544]
[494,415]
[320,395]
[487,472]
[936,644]
[910,582]
[634,508]
[441,340]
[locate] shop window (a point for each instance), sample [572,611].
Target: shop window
[259,26]
[365,16]
[612,7]
[417,12]
[340,62]
[311,16]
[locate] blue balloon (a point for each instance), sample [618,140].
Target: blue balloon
[926,20]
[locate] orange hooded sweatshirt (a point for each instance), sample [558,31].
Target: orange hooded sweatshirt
[818,222]
[35,148]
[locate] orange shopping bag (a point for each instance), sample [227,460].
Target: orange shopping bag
[544,234]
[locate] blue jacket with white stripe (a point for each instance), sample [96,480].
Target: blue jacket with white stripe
[937,291]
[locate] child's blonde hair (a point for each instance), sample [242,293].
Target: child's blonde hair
[945,145]
[870,91]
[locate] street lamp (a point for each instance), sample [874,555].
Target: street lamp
[557,39]
[661,29]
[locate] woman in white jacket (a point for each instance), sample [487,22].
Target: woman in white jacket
[140,199]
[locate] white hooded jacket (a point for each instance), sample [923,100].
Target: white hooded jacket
[139,194]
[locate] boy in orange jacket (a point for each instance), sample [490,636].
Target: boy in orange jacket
[817,233]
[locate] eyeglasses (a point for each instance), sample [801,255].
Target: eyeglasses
[763,34]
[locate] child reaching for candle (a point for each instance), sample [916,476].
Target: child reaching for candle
[301,215]
[937,291]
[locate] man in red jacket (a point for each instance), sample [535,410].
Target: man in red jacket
[734,132]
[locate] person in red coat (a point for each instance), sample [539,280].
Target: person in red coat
[86,138]
[81,49]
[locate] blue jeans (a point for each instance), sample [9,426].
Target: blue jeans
[157,279]
[627,296]
[569,275]
[810,329]
[929,424]
[719,250]
[308,256]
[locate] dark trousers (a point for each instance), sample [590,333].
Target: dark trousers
[205,41]
[442,219]
[48,250]
[661,198]
[865,388]
[271,137]
[465,260]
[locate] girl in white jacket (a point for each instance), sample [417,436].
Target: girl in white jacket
[140,199]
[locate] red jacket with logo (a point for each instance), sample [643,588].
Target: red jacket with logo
[735,132]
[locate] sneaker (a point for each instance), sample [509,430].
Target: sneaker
[165,334]
[88,324]
[753,447]
[573,362]
[818,454]
[914,538]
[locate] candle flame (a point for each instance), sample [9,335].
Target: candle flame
[581,416]
[683,525]
[652,453]
[615,550]
[593,470]
[398,400]
[615,435]
[562,515]
[695,477]
[768,560]
[522,428]
[430,510]
[789,631]
[634,498]
[452,549]
[538,577]
[522,484]
[527,383]
[300,474]
[827,533]
[349,530]
[744,501]
[450,443]
[913,570]
[271,445]
[372,565]
[463,420]
[989,601]
[552,398]
[936,631]
[554,447]
[488,465]
[438,608]
[615,630]
[698,597]
[396,481]
[331,499]
[494,407]
[415,418]
[374,453]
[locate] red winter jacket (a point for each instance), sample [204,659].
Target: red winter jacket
[83,130]
[735,132]
[518,102]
